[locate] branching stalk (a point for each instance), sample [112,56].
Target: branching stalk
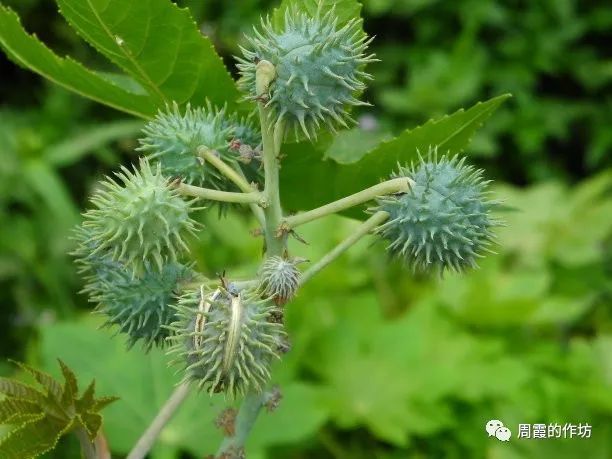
[209,155]
[397,185]
[146,441]
[367,226]
[232,447]
[254,197]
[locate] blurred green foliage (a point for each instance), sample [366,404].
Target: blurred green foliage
[419,364]
[383,364]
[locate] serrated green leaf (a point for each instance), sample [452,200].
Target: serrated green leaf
[14,411]
[87,401]
[30,53]
[35,437]
[92,423]
[303,162]
[144,383]
[53,387]
[158,44]
[103,402]
[71,388]
[345,10]
[20,390]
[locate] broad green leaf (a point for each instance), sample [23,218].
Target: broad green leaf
[325,180]
[345,10]
[351,145]
[33,438]
[158,44]
[27,51]
[74,148]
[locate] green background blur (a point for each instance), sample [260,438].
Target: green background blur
[384,364]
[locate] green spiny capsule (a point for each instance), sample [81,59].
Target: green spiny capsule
[139,306]
[140,221]
[172,139]
[225,341]
[243,130]
[318,69]
[279,279]
[444,221]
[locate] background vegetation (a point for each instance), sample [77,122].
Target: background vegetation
[383,364]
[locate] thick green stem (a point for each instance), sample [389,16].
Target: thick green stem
[88,449]
[254,197]
[367,226]
[275,241]
[233,447]
[272,135]
[396,185]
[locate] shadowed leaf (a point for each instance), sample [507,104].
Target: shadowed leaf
[27,51]
[304,162]
[33,438]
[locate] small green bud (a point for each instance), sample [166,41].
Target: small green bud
[140,221]
[225,341]
[444,221]
[279,279]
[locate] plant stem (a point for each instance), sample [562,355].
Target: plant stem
[208,155]
[233,447]
[254,197]
[367,226]
[87,447]
[146,441]
[401,184]
[275,243]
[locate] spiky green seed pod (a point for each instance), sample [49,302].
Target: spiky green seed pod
[279,279]
[318,69]
[172,139]
[444,221]
[225,342]
[243,130]
[140,221]
[139,306]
